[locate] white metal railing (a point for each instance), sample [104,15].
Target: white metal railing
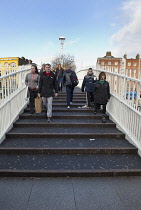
[13,93]
[124,107]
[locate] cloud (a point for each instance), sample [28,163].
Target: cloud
[71,42]
[128,38]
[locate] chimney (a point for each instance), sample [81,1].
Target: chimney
[138,56]
[125,56]
[108,54]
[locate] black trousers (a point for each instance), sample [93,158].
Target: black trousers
[90,98]
[96,106]
[33,95]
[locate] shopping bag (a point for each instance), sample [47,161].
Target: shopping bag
[38,105]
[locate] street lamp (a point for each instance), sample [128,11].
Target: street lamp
[62,39]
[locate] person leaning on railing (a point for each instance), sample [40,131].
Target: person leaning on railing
[101,94]
[32,81]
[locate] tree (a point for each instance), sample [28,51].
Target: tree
[68,63]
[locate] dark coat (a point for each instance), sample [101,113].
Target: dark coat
[88,83]
[67,77]
[47,85]
[101,92]
[59,73]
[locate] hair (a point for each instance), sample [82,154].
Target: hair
[36,69]
[90,69]
[48,64]
[102,74]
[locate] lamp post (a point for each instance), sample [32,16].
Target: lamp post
[62,39]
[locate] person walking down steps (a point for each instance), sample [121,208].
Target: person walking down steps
[32,81]
[101,94]
[59,76]
[70,80]
[88,85]
[47,86]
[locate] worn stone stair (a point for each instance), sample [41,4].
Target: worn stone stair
[75,143]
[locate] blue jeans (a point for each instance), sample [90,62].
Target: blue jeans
[69,91]
[60,83]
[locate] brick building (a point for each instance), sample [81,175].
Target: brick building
[127,66]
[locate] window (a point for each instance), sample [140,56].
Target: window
[0,73]
[102,63]
[13,64]
[116,63]
[6,72]
[134,64]
[128,71]
[134,71]
[109,63]
[6,65]
[129,63]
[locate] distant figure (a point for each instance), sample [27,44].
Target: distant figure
[32,81]
[88,85]
[42,69]
[101,94]
[47,86]
[69,82]
[59,75]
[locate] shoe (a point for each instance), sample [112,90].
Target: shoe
[31,113]
[70,102]
[103,119]
[49,120]
[68,107]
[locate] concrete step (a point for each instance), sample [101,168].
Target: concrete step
[85,150]
[42,165]
[17,134]
[64,124]
[58,117]
[66,142]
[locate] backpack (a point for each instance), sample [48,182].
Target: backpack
[74,79]
[68,78]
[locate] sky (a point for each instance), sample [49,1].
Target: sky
[32,29]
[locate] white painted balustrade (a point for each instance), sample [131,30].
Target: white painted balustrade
[13,94]
[124,107]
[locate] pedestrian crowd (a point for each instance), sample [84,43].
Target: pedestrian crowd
[47,83]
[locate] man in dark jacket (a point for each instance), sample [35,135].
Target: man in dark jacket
[67,81]
[88,84]
[47,85]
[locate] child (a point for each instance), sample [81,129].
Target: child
[101,94]
[88,83]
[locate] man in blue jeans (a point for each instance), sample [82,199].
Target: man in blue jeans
[67,81]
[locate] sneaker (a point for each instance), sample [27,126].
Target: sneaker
[31,113]
[103,119]
[49,120]
[68,107]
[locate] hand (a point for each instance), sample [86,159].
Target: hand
[39,95]
[37,87]
[56,94]
[108,100]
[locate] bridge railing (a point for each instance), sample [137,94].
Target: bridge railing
[124,107]
[13,93]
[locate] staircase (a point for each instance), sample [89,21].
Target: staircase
[75,143]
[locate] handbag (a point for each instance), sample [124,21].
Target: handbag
[38,105]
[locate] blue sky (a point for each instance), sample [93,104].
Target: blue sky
[32,28]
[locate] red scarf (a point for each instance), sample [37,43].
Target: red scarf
[48,74]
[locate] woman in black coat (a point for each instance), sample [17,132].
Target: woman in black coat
[101,94]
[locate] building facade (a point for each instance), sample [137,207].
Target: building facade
[10,64]
[127,66]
